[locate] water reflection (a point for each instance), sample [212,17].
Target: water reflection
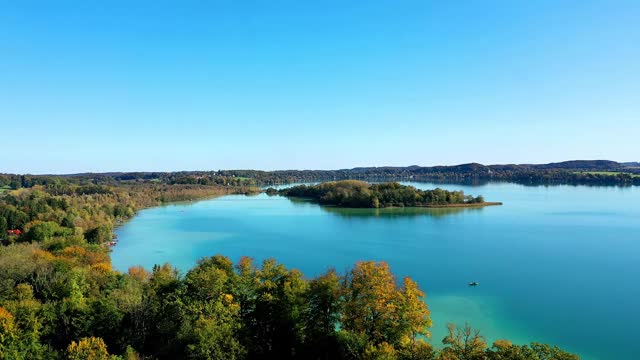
[396,212]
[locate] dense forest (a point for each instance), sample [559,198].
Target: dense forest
[60,298]
[598,173]
[581,172]
[360,194]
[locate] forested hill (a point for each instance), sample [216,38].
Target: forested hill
[578,172]
[593,165]
[575,172]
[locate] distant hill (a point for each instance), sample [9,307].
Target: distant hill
[575,172]
[582,165]
[574,165]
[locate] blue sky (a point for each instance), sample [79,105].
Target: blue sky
[207,85]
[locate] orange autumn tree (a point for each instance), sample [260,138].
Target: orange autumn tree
[375,306]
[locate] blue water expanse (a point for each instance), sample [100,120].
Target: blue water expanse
[556,264]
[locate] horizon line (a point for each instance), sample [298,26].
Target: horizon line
[338,169]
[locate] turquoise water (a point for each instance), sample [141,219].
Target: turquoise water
[555,264]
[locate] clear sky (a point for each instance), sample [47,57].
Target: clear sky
[207,85]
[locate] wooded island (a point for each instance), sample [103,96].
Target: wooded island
[360,194]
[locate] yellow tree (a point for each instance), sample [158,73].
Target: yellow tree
[414,317]
[374,305]
[9,338]
[414,313]
[371,302]
[91,348]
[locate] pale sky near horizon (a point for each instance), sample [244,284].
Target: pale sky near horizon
[206,85]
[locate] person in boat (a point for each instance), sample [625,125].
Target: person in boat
[473,283]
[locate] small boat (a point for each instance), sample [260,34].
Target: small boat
[473,283]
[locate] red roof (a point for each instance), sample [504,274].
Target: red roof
[15,232]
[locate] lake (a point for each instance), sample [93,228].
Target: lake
[557,264]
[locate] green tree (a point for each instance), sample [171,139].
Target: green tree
[216,337]
[160,315]
[322,314]
[27,314]
[505,350]
[100,234]
[211,329]
[41,231]
[4,227]
[278,310]
[106,322]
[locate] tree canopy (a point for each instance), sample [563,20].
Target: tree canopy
[360,194]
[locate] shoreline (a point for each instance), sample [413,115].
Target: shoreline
[121,222]
[476,205]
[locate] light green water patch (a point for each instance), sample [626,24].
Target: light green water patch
[166,236]
[480,312]
[484,313]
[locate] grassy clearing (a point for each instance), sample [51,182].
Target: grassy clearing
[4,188]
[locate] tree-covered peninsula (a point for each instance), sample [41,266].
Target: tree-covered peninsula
[360,194]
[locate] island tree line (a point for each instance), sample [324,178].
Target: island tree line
[360,194]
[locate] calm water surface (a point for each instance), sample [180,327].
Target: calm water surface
[555,264]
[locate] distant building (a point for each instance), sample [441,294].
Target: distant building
[15,232]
